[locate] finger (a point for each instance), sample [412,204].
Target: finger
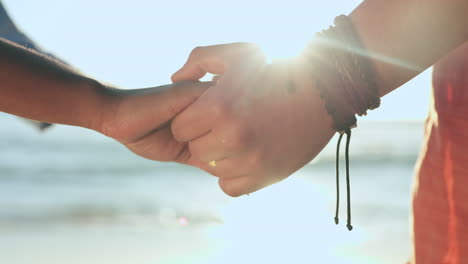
[225,141]
[201,116]
[206,148]
[159,145]
[148,109]
[216,103]
[213,59]
[192,161]
[242,185]
[182,95]
[195,121]
[225,168]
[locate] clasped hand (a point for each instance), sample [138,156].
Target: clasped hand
[257,124]
[254,125]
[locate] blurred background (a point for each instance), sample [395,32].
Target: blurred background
[70,195]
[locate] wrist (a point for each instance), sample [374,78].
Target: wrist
[105,107]
[345,75]
[305,83]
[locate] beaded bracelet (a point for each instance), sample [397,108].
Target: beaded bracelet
[345,78]
[339,60]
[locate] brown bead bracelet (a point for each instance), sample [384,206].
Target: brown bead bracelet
[345,78]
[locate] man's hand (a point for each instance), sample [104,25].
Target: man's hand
[140,119]
[38,87]
[259,123]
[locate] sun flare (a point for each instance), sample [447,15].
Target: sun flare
[281,50]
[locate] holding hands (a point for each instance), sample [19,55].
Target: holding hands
[257,124]
[140,118]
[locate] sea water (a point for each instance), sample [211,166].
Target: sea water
[70,195]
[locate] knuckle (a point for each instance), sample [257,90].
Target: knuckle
[237,137]
[220,110]
[229,188]
[255,160]
[177,132]
[162,151]
[197,51]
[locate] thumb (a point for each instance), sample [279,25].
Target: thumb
[214,59]
[136,113]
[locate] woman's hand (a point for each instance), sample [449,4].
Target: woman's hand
[259,123]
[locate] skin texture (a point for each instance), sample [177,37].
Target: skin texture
[256,125]
[37,87]
[252,118]
[259,130]
[408,37]
[140,119]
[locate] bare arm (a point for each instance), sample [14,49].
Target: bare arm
[38,87]
[408,36]
[255,143]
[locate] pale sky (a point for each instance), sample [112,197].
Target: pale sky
[140,43]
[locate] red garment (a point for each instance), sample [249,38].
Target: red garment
[440,200]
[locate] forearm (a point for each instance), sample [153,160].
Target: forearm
[409,35]
[36,87]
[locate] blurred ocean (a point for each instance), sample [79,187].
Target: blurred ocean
[70,195]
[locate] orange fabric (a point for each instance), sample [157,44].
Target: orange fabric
[440,198]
